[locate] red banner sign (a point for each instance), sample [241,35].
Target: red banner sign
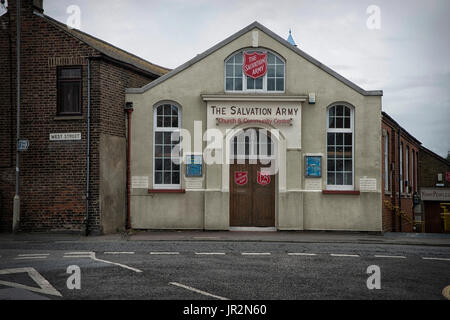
[255,64]
[447,176]
[241,178]
[263,178]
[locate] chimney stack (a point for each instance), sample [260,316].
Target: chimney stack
[38,5]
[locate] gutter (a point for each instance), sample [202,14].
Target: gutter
[400,169]
[129,110]
[88,149]
[11,117]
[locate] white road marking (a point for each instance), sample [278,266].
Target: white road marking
[164,253]
[439,259]
[301,254]
[93,257]
[344,255]
[45,286]
[256,253]
[80,252]
[33,255]
[118,252]
[206,238]
[210,253]
[198,291]
[393,257]
[28,258]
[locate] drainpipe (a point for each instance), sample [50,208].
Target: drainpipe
[129,110]
[11,101]
[16,206]
[88,149]
[399,179]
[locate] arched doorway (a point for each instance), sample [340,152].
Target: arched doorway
[252,183]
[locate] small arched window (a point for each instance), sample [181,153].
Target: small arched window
[340,148]
[166,161]
[272,81]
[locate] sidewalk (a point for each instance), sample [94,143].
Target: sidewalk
[225,236]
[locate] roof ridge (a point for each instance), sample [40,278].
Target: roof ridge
[73,32]
[435,154]
[276,37]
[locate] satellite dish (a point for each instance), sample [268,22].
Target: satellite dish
[3,7]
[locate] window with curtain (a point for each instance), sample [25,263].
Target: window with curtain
[69,90]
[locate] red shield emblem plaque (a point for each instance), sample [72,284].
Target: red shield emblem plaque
[241,178]
[263,178]
[255,64]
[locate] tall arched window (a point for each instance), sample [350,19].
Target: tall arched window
[340,149]
[272,81]
[166,161]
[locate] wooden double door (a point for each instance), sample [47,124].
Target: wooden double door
[252,196]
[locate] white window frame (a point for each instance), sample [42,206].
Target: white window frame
[407,169]
[386,163]
[253,156]
[333,130]
[244,77]
[171,129]
[401,167]
[413,186]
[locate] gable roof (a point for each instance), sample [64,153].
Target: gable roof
[435,155]
[387,118]
[273,36]
[108,49]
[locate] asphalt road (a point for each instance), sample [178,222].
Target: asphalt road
[206,270]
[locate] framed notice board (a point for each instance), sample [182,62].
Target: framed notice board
[194,166]
[313,166]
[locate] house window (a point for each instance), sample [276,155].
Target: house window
[340,148]
[413,171]
[386,162]
[167,155]
[272,81]
[407,169]
[69,90]
[401,168]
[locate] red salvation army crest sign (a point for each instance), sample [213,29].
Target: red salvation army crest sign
[263,178]
[241,178]
[255,64]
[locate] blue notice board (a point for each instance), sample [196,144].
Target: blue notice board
[313,166]
[194,166]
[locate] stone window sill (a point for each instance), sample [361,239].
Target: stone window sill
[68,118]
[166,190]
[342,192]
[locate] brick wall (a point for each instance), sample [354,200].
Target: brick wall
[430,165]
[53,174]
[391,194]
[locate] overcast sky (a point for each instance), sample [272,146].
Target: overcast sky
[407,58]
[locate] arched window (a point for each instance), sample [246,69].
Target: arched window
[272,81]
[340,149]
[254,144]
[166,161]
